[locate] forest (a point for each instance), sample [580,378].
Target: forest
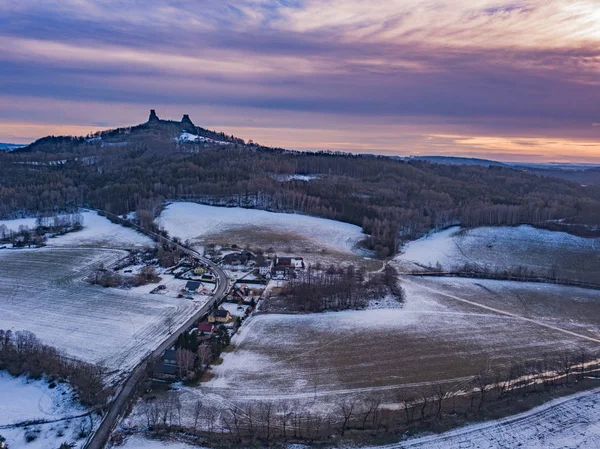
[139,168]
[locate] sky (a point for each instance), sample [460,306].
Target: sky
[507,80]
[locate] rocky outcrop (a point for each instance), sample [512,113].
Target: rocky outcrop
[187,125]
[153,117]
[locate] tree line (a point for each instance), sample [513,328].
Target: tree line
[493,392]
[317,289]
[22,353]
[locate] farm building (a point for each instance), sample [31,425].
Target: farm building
[285,265]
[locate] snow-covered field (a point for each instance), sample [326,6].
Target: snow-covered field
[201,224]
[505,247]
[97,231]
[42,290]
[565,423]
[13,225]
[448,331]
[23,400]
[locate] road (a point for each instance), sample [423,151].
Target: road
[116,407]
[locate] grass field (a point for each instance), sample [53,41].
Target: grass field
[576,258]
[42,291]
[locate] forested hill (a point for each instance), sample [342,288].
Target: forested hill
[140,167]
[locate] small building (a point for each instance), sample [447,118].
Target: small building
[238,258]
[170,357]
[219,316]
[192,286]
[199,271]
[264,267]
[207,328]
[165,371]
[291,262]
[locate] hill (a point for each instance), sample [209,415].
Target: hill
[9,146]
[452,160]
[138,168]
[154,128]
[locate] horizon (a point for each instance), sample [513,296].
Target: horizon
[511,82]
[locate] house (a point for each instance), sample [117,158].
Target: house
[235,296]
[264,267]
[165,371]
[170,357]
[207,328]
[238,258]
[192,286]
[291,262]
[219,316]
[209,277]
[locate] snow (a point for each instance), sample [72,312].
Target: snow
[197,222]
[503,247]
[13,225]
[97,231]
[100,231]
[565,423]
[233,309]
[433,248]
[305,178]
[139,441]
[23,400]
[186,137]
[44,291]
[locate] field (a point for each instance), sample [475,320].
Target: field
[446,333]
[434,338]
[318,239]
[22,400]
[97,231]
[576,258]
[42,291]
[565,423]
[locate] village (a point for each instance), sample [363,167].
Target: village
[251,275]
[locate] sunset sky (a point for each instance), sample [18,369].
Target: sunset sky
[516,81]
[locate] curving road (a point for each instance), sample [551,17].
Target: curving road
[117,406]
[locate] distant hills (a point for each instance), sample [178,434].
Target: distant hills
[452,160]
[10,146]
[185,136]
[138,168]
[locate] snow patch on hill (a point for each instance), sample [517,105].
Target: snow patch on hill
[186,137]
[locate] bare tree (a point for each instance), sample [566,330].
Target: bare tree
[346,409]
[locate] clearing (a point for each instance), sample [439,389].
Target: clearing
[318,239]
[23,400]
[575,258]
